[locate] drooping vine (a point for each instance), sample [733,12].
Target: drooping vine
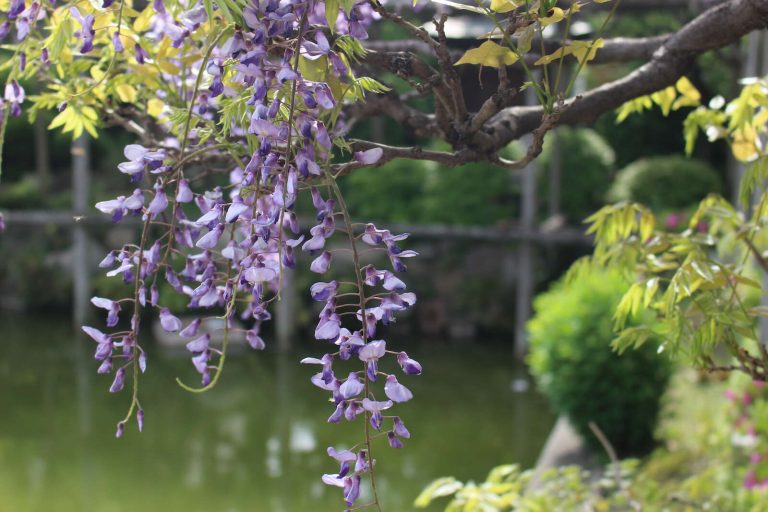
[246,118]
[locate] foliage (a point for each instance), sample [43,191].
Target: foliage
[406,191]
[698,282]
[587,165]
[571,358]
[507,488]
[682,94]
[665,182]
[701,465]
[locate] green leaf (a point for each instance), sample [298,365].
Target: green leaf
[331,13]
[370,85]
[441,487]
[503,6]
[489,54]
[462,7]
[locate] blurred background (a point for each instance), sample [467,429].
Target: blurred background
[490,242]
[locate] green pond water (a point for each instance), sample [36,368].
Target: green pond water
[254,443]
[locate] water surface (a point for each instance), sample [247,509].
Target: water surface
[255,443]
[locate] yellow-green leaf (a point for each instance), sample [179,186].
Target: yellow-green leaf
[585,51]
[155,107]
[126,93]
[332,12]
[142,23]
[489,54]
[557,14]
[689,95]
[665,98]
[437,489]
[505,5]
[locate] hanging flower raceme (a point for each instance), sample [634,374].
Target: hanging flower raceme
[236,132]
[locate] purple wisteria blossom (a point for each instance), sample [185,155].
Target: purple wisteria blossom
[225,246]
[86,32]
[14,96]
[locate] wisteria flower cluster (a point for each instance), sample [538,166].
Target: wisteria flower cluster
[244,119]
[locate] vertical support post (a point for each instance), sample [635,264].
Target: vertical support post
[80,191]
[525,269]
[555,176]
[285,313]
[42,155]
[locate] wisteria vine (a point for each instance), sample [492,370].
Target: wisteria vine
[254,92]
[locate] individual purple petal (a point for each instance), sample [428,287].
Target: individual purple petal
[370,156]
[260,275]
[199,344]
[235,210]
[315,243]
[319,381]
[352,410]
[96,334]
[103,351]
[341,456]
[333,480]
[200,361]
[119,382]
[184,195]
[351,387]
[140,419]
[352,490]
[396,391]
[409,366]
[321,264]
[159,202]
[254,340]
[143,361]
[210,239]
[373,351]
[117,43]
[328,328]
[399,428]
[169,322]
[191,330]
[391,282]
[323,291]
[140,53]
[105,367]
[394,442]
[211,215]
[337,414]
[120,429]
[375,406]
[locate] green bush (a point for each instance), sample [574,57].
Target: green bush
[665,182]
[587,165]
[411,191]
[572,360]
[390,193]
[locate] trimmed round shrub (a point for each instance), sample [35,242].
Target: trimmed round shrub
[665,182]
[584,379]
[587,165]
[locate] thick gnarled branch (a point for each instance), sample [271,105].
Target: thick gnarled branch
[720,26]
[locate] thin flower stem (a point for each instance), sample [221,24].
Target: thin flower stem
[360,288]
[135,321]
[178,171]
[291,113]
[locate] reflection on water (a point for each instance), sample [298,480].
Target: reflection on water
[255,443]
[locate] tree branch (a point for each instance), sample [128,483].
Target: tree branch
[720,26]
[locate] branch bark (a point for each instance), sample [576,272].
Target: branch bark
[717,27]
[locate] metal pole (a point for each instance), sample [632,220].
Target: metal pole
[525,281]
[81,288]
[285,313]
